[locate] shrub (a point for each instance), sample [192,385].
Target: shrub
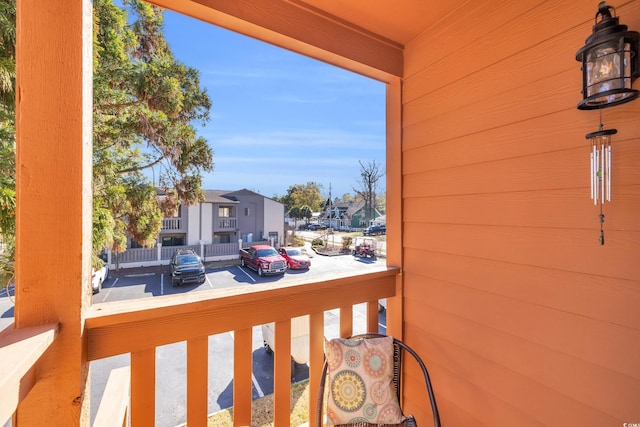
[346,242]
[317,243]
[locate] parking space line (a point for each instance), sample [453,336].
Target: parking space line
[208,281]
[257,386]
[109,289]
[248,275]
[162,284]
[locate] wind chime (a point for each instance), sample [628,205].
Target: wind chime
[601,169]
[609,66]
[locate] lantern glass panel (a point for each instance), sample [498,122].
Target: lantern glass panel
[608,68]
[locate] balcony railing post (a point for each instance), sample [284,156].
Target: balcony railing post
[316,360]
[242,377]
[53,202]
[143,387]
[197,381]
[282,373]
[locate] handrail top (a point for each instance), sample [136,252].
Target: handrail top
[259,291]
[148,323]
[20,350]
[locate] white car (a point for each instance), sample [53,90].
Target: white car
[299,340]
[98,277]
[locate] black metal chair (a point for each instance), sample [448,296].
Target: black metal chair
[398,349]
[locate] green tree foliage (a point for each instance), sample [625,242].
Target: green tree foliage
[300,212]
[300,195]
[305,212]
[146,103]
[7,136]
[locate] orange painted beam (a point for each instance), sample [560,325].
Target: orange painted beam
[303,29]
[20,350]
[395,188]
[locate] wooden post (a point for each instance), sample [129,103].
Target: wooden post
[395,237]
[53,218]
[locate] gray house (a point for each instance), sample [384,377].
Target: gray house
[225,217]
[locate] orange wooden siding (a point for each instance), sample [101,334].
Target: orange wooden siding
[522,317]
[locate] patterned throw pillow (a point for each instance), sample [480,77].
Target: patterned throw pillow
[361,381]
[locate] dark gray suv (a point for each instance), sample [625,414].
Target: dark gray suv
[186,267]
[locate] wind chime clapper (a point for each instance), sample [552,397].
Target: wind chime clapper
[600,157]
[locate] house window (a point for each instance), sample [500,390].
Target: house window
[222,238]
[247,211]
[224,212]
[172,240]
[134,245]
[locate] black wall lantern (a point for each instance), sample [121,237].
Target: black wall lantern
[609,62]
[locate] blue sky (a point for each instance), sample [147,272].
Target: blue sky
[279,118]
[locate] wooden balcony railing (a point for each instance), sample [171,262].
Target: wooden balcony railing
[20,350]
[140,326]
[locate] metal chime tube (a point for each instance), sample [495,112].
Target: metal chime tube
[608,170]
[596,173]
[600,169]
[600,159]
[603,172]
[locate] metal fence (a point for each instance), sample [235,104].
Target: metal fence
[166,252]
[161,255]
[135,256]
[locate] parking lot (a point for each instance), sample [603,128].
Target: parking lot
[171,359]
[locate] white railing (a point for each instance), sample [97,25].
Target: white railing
[172,224]
[227,223]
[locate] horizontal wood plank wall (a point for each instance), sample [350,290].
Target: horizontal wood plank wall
[521,316]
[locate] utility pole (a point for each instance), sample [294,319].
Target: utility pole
[330,201]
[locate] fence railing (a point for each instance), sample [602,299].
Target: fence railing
[227,224]
[172,224]
[166,252]
[139,327]
[220,249]
[161,255]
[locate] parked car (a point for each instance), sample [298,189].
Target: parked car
[186,267]
[98,277]
[299,340]
[296,258]
[374,230]
[263,259]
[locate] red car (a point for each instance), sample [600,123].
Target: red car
[296,258]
